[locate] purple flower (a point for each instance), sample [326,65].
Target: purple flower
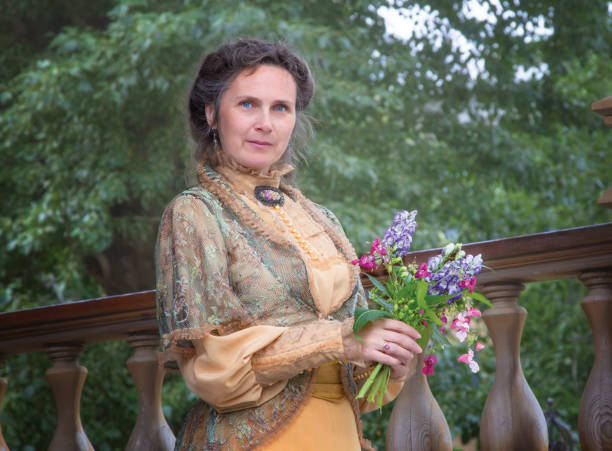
[453,299]
[400,233]
[448,278]
[471,264]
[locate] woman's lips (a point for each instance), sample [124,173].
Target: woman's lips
[259,144]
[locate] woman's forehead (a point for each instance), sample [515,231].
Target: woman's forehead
[265,82]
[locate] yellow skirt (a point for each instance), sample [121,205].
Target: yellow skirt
[325,423]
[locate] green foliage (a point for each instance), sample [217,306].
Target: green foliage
[93,144]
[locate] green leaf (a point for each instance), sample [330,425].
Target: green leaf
[368,316]
[359,311]
[438,337]
[420,293]
[386,305]
[425,331]
[431,316]
[434,299]
[378,285]
[407,291]
[480,298]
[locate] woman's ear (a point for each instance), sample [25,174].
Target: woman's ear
[210,115]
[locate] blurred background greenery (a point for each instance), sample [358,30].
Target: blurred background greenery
[475,113]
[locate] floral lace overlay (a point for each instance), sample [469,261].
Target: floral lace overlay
[217,273]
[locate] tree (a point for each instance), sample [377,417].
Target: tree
[93,138]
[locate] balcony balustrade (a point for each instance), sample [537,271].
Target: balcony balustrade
[511,419]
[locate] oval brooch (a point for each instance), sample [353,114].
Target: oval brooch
[269,195]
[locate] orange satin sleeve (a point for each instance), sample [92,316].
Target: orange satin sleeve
[221,373]
[247,368]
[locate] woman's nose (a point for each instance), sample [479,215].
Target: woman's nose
[264,122]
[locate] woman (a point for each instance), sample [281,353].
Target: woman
[255,288]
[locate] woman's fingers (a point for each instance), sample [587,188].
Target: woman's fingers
[401,352]
[386,359]
[389,351]
[399,326]
[387,341]
[399,371]
[400,340]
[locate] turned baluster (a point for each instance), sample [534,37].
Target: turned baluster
[3,385]
[595,416]
[511,419]
[151,431]
[417,423]
[67,378]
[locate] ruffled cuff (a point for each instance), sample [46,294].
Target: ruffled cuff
[301,348]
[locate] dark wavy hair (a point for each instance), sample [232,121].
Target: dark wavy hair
[216,73]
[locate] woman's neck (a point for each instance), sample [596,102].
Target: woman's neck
[245,179]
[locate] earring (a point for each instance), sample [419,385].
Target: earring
[215,143]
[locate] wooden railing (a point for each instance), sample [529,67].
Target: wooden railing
[511,419]
[62,331]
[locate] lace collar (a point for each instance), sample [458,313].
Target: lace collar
[244,179]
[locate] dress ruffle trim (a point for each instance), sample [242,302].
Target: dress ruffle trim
[212,182]
[277,170]
[339,240]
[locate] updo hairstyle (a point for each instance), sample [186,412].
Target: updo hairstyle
[217,72]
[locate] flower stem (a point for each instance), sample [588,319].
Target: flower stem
[385,376]
[376,386]
[369,381]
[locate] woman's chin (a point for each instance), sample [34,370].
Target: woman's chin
[257,163]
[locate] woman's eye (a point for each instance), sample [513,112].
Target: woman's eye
[246,104]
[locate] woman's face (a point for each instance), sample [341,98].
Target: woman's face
[256,116]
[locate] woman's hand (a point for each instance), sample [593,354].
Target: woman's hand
[386,341]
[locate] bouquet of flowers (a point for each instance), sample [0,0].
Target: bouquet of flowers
[433,297]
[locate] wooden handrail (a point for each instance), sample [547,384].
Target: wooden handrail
[537,257]
[93,320]
[528,258]
[604,108]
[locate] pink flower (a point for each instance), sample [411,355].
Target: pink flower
[422,272]
[461,325]
[421,311]
[378,248]
[473,312]
[430,360]
[479,346]
[444,319]
[366,261]
[428,364]
[461,335]
[470,284]
[443,330]
[460,322]
[469,360]
[428,370]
